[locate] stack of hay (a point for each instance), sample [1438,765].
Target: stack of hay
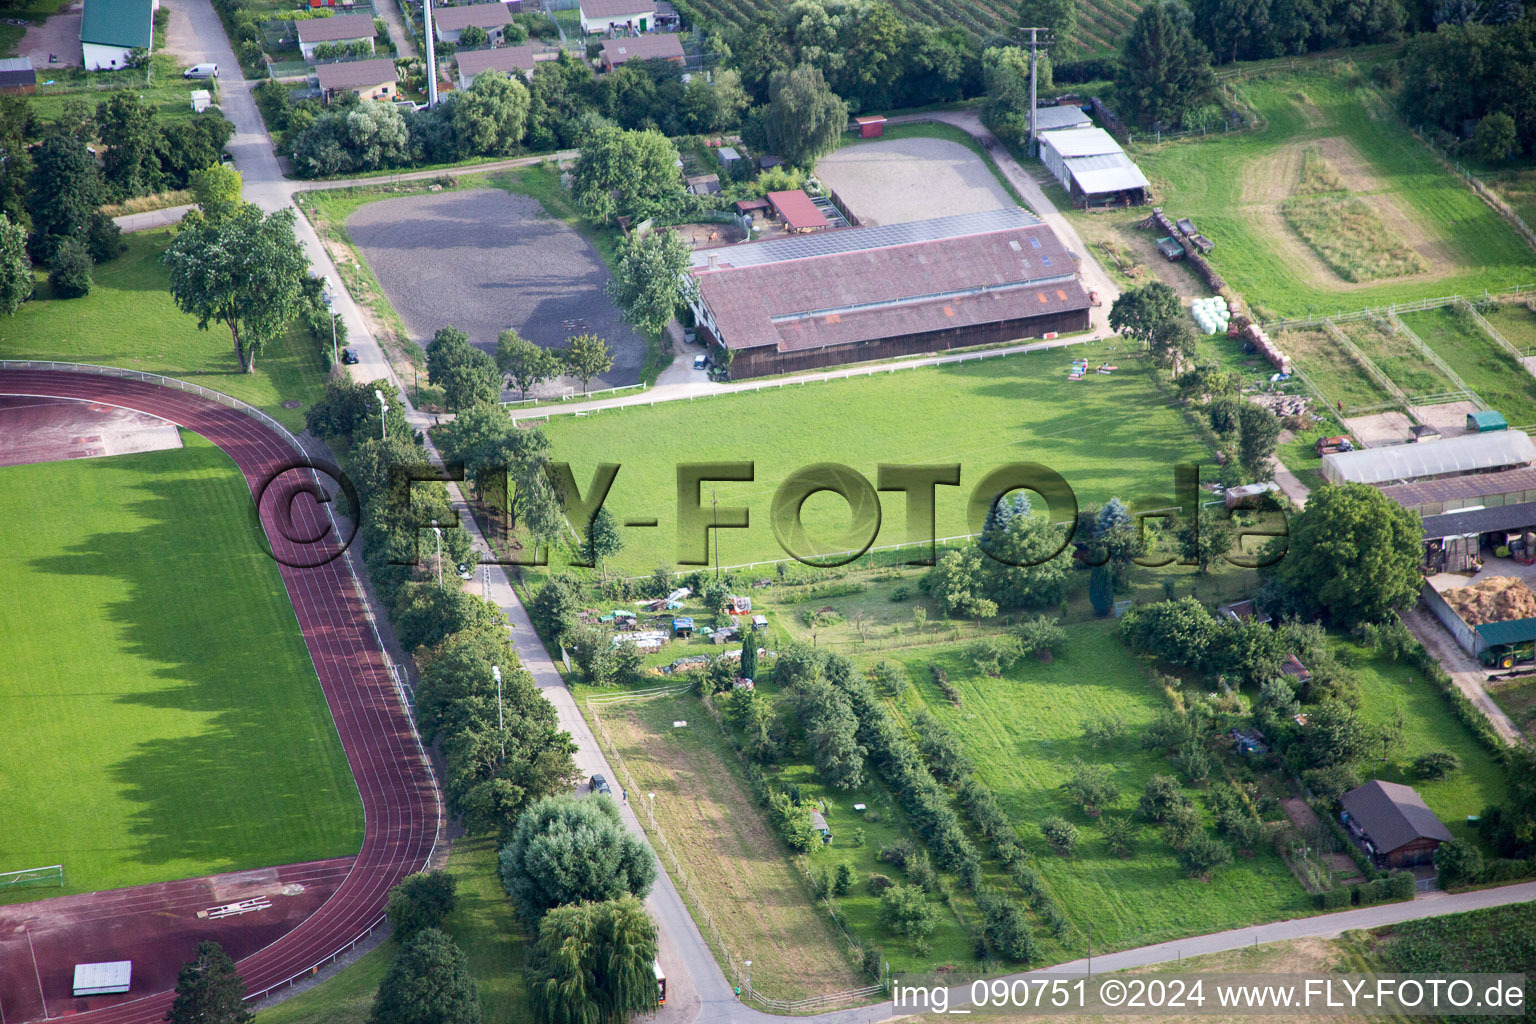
[1495,599]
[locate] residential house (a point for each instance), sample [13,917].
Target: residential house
[367,79]
[619,16]
[449,22]
[617,52]
[341,29]
[110,30]
[510,60]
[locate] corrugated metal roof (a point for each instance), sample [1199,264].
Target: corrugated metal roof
[1050,119]
[1081,142]
[1455,488]
[330,30]
[1480,520]
[15,64]
[1393,815]
[827,243]
[1107,172]
[1468,453]
[1511,631]
[117,22]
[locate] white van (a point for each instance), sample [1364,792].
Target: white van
[201,71]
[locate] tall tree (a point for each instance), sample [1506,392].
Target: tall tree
[1139,312]
[586,356]
[245,272]
[126,126]
[1164,70]
[64,188]
[1260,432]
[1353,555]
[421,901]
[651,279]
[831,731]
[523,363]
[804,117]
[489,117]
[15,267]
[565,850]
[603,539]
[15,158]
[428,982]
[592,964]
[625,173]
[217,189]
[209,990]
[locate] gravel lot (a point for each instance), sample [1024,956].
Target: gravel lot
[911,179]
[485,260]
[59,35]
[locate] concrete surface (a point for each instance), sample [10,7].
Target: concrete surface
[899,180]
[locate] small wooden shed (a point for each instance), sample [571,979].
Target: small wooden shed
[870,127]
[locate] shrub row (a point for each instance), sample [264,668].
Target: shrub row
[820,592]
[941,680]
[1396,887]
[1469,714]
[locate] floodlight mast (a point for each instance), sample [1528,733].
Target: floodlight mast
[426,24]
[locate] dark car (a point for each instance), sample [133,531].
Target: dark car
[348,356]
[599,785]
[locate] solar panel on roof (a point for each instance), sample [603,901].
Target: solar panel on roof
[826,243]
[1035,242]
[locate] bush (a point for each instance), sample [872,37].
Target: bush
[1436,764]
[1458,863]
[1007,931]
[842,879]
[1402,885]
[69,275]
[1105,730]
[103,238]
[878,883]
[421,901]
[1334,899]
[1061,834]
[1202,855]
[906,911]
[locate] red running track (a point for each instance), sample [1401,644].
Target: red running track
[399,794]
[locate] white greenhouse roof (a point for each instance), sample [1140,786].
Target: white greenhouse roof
[1108,172]
[1081,142]
[1465,454]
[103,978]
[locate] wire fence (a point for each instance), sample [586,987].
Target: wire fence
[1383,312]
[401,685]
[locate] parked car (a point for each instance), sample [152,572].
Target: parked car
[701,362]
[201,71]
[466,573]
[598,784]
[348,356]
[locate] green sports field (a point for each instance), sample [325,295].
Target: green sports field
[164,717]
[1109,435]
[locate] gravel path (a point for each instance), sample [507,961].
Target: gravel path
[911,179]
[485,260]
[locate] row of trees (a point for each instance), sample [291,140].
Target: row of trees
[1475,69]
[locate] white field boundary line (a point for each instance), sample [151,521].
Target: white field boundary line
[361,592]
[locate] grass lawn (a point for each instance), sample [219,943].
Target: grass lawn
[1331,369]
[483,926]
[1517,322]
[1024,731]
[164,90]
[1107,435]
[1428,724]
[1231,185]
[154,655]
[1397,358]
[129,320]
[740,869]
[1480,361]
[1518,699]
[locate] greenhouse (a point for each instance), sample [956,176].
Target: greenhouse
[1470,453]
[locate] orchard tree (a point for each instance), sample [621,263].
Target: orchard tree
[592,964]
[246,272]
[523,363]
[1352,556]
[1206,536]
[1164,69]
[586,356]
[209,990]
[1091,788]
[428,982]
[804,117]
[603,539]
[1202,855]
[651,280]
[15,267]
[564,850]
[906,911]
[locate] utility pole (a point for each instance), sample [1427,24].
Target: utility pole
[1035,42]
[501,727]
[426,25]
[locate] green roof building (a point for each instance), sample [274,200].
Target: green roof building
[1485,421]
[110,30]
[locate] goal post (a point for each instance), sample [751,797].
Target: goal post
[53,874]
